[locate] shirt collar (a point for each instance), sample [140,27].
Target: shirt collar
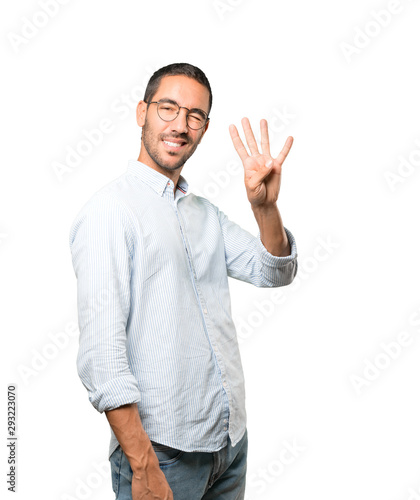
[157,181]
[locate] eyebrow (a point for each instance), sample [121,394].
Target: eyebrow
[196,110]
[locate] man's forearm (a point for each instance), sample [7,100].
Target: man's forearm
[272,233]
[135,443]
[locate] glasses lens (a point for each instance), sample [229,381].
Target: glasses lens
[196,120]
[168,111]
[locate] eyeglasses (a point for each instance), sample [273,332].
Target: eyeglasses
[168,110]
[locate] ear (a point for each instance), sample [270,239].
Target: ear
[141,113]
[205,130]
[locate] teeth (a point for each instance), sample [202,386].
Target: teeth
[173,144]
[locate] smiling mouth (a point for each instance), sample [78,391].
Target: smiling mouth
[174,145]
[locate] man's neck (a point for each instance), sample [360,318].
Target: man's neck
[171,174]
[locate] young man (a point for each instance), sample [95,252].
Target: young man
[158,349]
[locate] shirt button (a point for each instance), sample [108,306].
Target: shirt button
[225,428]
[225,421]
[205,311]
[224,384]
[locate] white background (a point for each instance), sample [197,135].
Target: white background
[353,117]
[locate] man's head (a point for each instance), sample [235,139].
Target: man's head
[168,143]
[177,69]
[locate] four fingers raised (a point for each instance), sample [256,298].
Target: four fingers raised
[252,143]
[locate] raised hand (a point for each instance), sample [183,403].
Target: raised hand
[262,171]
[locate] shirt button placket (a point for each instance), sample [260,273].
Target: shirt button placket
[225,421]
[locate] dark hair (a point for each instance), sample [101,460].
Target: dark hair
[174,70]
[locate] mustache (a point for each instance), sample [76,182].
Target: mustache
[183,137]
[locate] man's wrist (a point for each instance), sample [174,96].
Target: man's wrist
[139,457]
[144,462]
[272,233]
[267,216]
[265,209]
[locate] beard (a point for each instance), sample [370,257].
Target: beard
[151,144]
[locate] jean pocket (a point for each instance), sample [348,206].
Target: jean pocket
[165,454]
[115,462]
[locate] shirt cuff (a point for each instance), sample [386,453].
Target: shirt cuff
[115,393]
[273,260]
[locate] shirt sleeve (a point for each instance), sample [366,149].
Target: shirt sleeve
[248,260]
[101,243]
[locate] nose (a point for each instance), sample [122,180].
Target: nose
[180,123]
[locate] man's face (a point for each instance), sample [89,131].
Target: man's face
[166,146]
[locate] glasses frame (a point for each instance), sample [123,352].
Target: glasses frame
[179,109]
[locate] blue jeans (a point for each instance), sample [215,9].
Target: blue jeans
[191,475]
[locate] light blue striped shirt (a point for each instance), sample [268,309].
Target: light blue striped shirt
[154,308]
